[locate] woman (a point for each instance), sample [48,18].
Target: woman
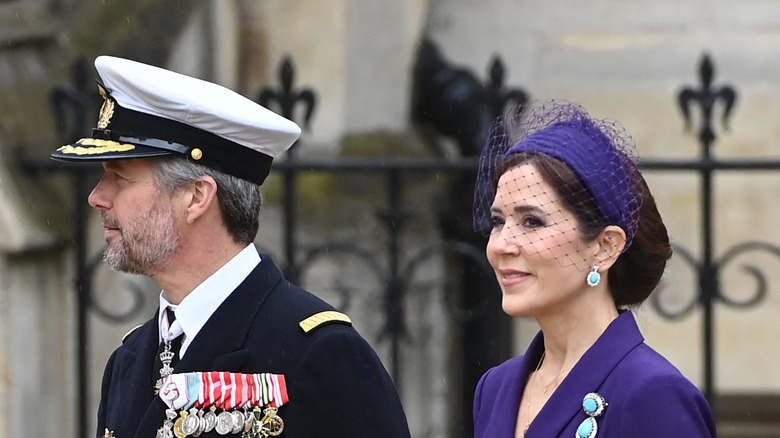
[576,241]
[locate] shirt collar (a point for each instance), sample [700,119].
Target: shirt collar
[198,306]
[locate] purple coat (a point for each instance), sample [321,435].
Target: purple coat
[647,396]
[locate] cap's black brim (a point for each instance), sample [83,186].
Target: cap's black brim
[89,149]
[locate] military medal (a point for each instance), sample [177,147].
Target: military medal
[210,419]
[168,333]
[178,426]
[224,423]
[190,424]
[238,422]
[249,420]
[201,424]
[196,398]
[166,357]
[166,431]
[272,423]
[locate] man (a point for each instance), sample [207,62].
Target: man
[235,348]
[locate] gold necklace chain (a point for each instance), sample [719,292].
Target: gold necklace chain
[528,402]
[545,388]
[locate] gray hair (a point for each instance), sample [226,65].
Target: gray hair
[239,200]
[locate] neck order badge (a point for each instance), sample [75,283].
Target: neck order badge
[167,356]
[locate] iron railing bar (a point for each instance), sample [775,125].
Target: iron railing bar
[374,164]
[710,164]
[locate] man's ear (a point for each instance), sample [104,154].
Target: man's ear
[608,246]
[199,197]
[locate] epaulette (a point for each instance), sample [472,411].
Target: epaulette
[321,318]
[132,330]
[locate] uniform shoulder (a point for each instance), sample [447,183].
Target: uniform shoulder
[130,333]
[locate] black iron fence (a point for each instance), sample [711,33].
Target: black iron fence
[479,310]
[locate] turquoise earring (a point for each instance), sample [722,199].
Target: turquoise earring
[593,277]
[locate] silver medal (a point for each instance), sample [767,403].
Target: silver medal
[190,425]
[249,420]
[201,424]
[238,422]
[210,420]
[224,423]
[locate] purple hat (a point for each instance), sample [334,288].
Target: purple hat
[600,152]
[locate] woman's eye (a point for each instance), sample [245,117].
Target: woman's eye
[532,222]
[497,222]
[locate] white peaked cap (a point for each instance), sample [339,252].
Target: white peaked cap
[149,111]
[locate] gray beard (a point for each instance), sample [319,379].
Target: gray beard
[148,246]
[130,258]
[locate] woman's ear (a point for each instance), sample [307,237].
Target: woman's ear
[608,246]
[199,197]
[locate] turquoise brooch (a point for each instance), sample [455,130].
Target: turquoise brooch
[594,405]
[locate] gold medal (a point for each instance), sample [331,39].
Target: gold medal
[272,423]
[178,426]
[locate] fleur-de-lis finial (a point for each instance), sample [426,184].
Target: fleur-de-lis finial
[287,98]
[497,96]
[706,97]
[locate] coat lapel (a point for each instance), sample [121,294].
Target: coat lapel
[132,382]
[220,343]
[511,390]
[620,337]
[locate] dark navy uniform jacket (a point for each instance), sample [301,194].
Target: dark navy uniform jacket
[647,396]
[336,383]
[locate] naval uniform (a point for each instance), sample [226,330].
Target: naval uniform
[641,394]
[336,384]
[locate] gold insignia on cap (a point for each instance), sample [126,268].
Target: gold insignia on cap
[196,154]
[100,147]
[318,319]
[107,110]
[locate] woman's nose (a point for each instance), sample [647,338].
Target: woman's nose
[504,241]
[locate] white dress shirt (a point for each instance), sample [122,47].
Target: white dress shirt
[197,307]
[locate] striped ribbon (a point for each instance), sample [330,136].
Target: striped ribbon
[224,390]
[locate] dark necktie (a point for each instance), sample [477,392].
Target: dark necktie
[167,355]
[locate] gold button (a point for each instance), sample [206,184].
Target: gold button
[196,154]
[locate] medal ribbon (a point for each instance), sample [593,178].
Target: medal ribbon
[224,390]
